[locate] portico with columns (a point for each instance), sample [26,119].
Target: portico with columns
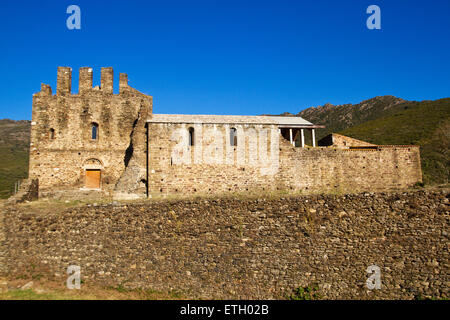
[296,134]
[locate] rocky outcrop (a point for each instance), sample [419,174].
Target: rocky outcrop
[245,248]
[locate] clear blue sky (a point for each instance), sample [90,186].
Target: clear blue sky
[230,57]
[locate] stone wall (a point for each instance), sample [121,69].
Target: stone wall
[252,248]
[212,165]
[28,191]
[61,145]
[326,170]
[175,168]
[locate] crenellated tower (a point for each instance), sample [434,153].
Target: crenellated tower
[84,141]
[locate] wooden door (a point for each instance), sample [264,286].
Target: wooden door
[93,179]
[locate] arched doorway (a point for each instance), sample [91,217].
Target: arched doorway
[92,174]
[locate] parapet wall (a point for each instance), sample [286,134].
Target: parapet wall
[243,248]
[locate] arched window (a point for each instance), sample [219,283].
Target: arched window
[191,136]
[94,135]
[51,134]
[233,137]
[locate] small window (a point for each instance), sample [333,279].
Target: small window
[51,134]
[191,136]
[233,137]
[94,135]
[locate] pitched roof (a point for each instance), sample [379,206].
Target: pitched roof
[203,118]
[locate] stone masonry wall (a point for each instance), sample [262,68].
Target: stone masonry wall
[305,170]
[343,170]
[344,141]
[28,191]
[254,248]
[217,168]
[60,162]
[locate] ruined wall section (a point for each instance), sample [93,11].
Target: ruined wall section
[61,145]
[339,140]
[133,183]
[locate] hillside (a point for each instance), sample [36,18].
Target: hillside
[339,117]
[14,146]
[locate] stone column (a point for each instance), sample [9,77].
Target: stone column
[290,135]
[303,137]
[313,135]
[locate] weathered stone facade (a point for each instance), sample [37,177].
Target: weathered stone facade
[98,142]
[62,148]
[287,168]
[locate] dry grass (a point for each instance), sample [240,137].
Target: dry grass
[54,205]
[10,289]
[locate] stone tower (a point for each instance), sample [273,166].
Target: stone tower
[88,140]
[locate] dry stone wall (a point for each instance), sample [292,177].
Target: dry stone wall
[28,191]
[253,248]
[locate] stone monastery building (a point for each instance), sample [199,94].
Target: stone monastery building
[99,143]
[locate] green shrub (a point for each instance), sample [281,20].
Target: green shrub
[305,293]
